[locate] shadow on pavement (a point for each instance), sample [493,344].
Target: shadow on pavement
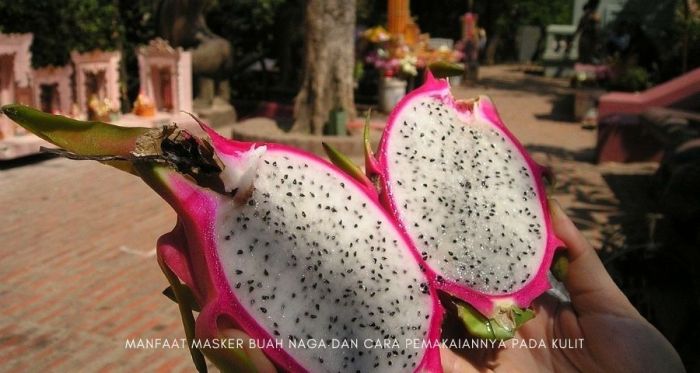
[23,161]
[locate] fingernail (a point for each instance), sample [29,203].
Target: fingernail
[554,207]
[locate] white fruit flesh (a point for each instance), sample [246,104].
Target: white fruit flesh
[311,259]
[466,197]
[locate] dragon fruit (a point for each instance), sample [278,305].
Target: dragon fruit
[471,200]
[274,241]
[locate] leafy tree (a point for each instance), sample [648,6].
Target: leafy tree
[137,19]
[62,26]
[251,28]
[371,12]
[83,25]
[502,20]
[672,27]
[247,24]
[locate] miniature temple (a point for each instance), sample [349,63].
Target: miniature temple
[15,74]
[165,74]
[97,80]
[15,66]
[52,89]
[88,88]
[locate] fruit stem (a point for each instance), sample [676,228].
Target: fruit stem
[444,69]
[124,147]
[372,169]
[83,138]
[343,162]
[501,327]
[186,315]
[560,265]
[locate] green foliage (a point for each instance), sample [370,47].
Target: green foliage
[631,79]
[684,33]
[256,30]
[501,19]
[138,21]
[512,14]
[433,17]
[83,25]
[670,30]
[371,12]
[61,26]
[247,24]
[692,27]
[542,13]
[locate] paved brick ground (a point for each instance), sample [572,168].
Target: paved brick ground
[534,108]
[77,271]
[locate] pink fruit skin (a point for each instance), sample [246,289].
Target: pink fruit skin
[484,303]
[190,252]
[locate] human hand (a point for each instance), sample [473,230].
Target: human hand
[616,338]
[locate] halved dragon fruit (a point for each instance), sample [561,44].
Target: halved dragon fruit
[470,198]
[276,242]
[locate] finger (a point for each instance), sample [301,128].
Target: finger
[588,282]
[256,355]
[453,363]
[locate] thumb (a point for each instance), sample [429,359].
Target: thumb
[256,355]
[588,282]
[454,363]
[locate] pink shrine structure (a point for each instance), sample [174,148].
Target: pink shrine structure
[15,76]
[97,74]
[165,74]
[90,82]
[52,88]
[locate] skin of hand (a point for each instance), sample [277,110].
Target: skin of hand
[616,338]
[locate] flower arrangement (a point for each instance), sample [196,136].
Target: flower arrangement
[390,55]
[391,65]
[376,35]
[426,56]
[101,109]
[395,58]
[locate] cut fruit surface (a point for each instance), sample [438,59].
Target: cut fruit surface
[311,258]
[275,242]
[469,196]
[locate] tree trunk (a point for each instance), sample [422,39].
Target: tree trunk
[329,60]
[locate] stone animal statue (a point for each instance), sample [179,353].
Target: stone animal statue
[182,24]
